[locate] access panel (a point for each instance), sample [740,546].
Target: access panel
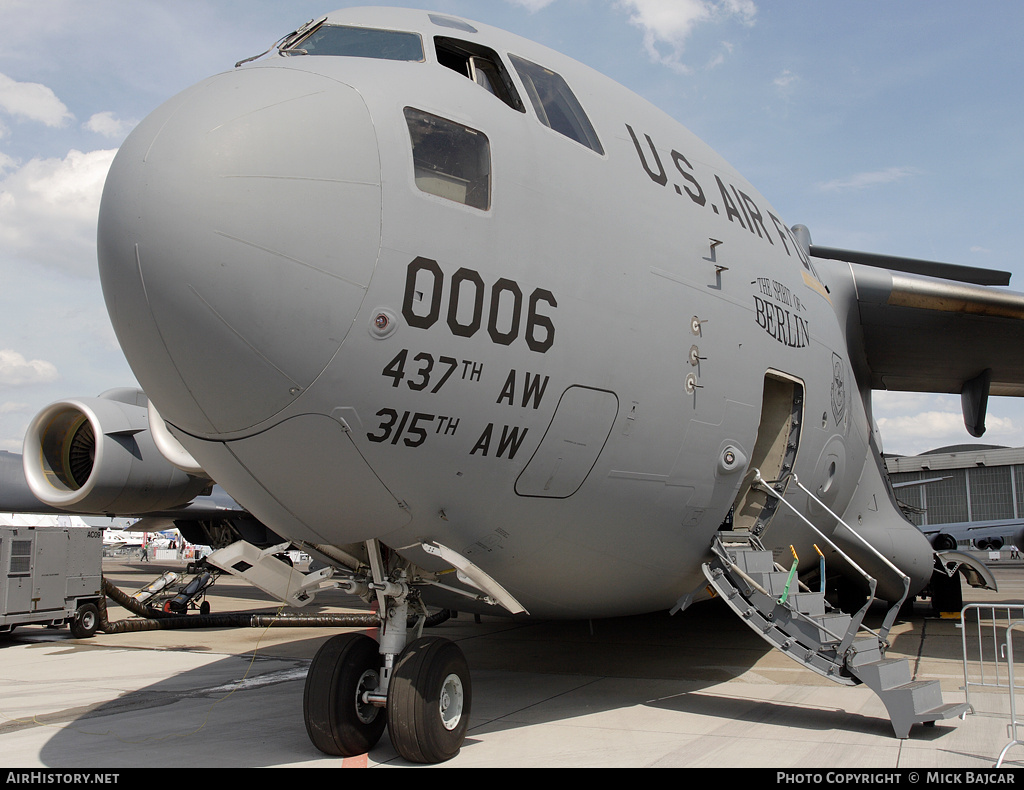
[578,431]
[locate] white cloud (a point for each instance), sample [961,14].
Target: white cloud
[532,5]
[49,208]
[16,371]
[918,433]
[785,79]
[934,425]
[915,422]
[897,402]
[870,179]
[32,101]
[109,125]
[13,408]
[667,24]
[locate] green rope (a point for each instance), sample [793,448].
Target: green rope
[792,573]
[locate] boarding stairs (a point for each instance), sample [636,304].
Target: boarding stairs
[804,626]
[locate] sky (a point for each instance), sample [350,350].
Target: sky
[886,127]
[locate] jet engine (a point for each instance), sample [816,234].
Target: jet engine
[98,456]
[943,542]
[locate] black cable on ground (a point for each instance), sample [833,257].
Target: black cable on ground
[153,620]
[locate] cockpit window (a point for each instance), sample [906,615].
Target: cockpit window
[450,160]
[555,103]
[358,42]
[449,21]
[480,64]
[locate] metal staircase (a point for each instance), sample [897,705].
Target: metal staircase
[801,624]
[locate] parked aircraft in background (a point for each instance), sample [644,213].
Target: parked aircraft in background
[424,296]
[119,538]
[983,535]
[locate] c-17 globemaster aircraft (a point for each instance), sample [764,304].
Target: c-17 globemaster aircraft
[424,297]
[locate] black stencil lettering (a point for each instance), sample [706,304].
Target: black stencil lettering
[730,207]
[422,265]
[460,277]
[660,178]
[505,286]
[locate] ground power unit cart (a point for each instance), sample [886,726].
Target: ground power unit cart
[51,576]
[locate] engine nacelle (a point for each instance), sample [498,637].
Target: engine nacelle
[97,456]
[943,542]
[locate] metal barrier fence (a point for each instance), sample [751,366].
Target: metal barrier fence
[1014,739]
[987,635]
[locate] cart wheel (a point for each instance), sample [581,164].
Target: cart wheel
[204,607]
[86,621]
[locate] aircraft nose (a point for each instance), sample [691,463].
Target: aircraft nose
[238,230]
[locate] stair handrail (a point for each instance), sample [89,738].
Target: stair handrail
[890,616]
[858,618]
[723,555]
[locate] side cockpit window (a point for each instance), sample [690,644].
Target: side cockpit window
[358,42]
[555,103]
[450,160]
[481,65]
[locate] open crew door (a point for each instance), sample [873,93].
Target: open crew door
[778,437]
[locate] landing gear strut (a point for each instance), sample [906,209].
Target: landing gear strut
[420,690]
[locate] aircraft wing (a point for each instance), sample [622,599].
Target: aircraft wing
[17,497]
[924,334]
[1013,529]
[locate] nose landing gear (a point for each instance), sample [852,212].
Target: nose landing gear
[421,691]
[426,708]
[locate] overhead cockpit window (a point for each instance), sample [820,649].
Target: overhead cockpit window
[480,64]
[448,21]
[450,160]
[359,42]
[555,103]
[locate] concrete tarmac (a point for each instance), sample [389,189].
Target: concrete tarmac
[695,690]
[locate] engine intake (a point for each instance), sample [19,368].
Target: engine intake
[943,542]
[97,456]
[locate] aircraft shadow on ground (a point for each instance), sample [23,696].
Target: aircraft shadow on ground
[655,660]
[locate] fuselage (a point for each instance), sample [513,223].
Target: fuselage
[375,298]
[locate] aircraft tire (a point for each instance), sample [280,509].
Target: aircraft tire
[85,621]
[429,700]
[337,722]
[947,593]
